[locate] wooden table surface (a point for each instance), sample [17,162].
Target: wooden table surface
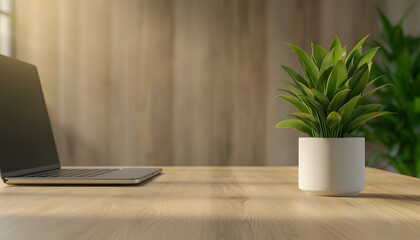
[213,203]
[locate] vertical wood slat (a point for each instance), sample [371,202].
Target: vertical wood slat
[280,29]
[203,59]
[68,139]
[219,66]
[162,82]
[192,83]
[125,37]
[249,83]
[221,84]
[92,81]
[157,70]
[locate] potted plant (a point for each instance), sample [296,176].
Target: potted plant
[331,101]
[399,63]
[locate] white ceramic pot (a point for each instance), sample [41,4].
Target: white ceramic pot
[332,166]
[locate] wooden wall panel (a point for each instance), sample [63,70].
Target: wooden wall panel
[281,28]
[192,94]
[221,77]
[128,99]
[68,139]
[178,82]
[249,83]
[155,86]
[92,83]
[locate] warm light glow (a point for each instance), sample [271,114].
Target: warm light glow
[5,27]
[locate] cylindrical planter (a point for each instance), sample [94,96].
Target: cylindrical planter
[332,166]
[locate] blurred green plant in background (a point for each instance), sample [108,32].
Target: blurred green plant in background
[399,63]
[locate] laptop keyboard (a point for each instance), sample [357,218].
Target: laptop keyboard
[73,172]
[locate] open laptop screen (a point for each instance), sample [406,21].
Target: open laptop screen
[26,138]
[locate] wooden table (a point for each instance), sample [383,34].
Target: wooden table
[213,203]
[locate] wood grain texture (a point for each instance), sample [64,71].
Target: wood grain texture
[186,82]
[213,203]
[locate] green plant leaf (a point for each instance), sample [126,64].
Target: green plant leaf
[333,120]
[327,62]
[359,121]
[295,90]
[337,77]
[344,87]
[307,118]
[306,90]
[294,75]
[296,124]
[315,106]
[338,55]
[347,109]
[298,104]
[372,91]
[338,50]
[398,36]
[335,44]
[387,29]
[306,63]
[417,105]
[318,54]
[404,64]
[321,98]
[355,49]
[344,53]
[357,76]
[322,80]
[367,57]
[383,49]
[400,90]
[353,66]
[368,108]
[373,81]
[359,81]
[338,100]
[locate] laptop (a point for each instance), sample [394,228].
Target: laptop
[28,153]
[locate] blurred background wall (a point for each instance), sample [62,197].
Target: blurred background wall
[178,82]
